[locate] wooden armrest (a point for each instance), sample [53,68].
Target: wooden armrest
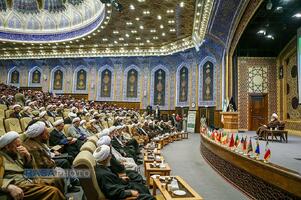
[131,198]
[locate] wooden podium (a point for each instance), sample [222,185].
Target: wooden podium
[230,121]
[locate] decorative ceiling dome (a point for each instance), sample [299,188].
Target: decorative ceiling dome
[49,20]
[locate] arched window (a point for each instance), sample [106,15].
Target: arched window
[182,85]
[131,83]
[35,77]
[106,83]
[207,91]
[160,86]
[80,80]
[13,77]
[57,79]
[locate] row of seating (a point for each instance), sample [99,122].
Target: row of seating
[85,160]
[18,125]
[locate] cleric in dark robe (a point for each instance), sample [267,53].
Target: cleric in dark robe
[111,185]
[57,137]
[274,123]
[117,167]
[16,159]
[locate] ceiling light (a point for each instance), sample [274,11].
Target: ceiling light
[127,35]
[171,21]
[146,12]
[161,26]
[104,39]
[159,17]
[132,7]
[141,1]
[170,11]
[115,32]
[163,34]
[138,38]
[148,41]
[121,39]
[115,42]
[153,31]
[133,31]
[182,4]
[141,27]
[261,32]
[155,38]
[199,4]
[197,13]
[172,30]
[297,15]
[129,23]
[137,18]
[270,37]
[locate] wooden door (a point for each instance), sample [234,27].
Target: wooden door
[258,111]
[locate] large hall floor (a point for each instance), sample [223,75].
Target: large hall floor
[186,161]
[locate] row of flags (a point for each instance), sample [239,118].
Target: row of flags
[243,145]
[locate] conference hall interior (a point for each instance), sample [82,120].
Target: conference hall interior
[150,99]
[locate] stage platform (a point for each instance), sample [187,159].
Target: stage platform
[283,154]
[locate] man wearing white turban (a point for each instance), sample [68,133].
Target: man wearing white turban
[113,186]
[44,157]
[16,159]
[57,137]
[274,123]
[16,113]
[105,140]
[74,130]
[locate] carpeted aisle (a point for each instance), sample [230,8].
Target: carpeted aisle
[186,161]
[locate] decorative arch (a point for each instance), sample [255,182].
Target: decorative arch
[33,23]
[106,82]
[155,70]
[183,85]
[14,21]
[13,76]
[207,82]
[49,23]
[134,80]
[64,21]
[35,77]
[58,77]
[80,79]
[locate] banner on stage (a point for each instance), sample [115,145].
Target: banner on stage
[191,121]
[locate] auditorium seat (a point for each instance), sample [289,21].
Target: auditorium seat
[88,146]
[57,118]
[93,139]
[7,113]
[2,114]
[85,160]
[24,122]
[2,129]
[50,119]
[66,127]
[12,124]
[65,114]
[23,137]
[3,107]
